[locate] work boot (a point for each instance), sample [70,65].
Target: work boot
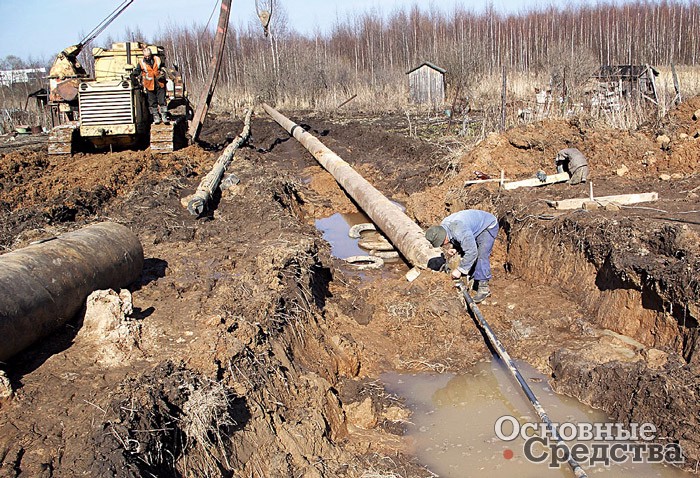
[482,292]
[156,116]
[164,114]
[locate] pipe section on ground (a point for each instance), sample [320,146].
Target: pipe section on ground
[198,202]
[44,285]
[403,233]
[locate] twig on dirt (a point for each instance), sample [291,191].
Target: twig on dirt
[435,367]
[688,212]
[660,210]
[544,217]
[642,207]
[96,406]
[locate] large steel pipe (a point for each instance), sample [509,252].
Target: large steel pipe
[44,285]
[403,233]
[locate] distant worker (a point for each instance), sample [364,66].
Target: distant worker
[152,72]
[573,162]
[471,233]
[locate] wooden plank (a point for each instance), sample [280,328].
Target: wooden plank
[621,199]
[534,182]
[479,181]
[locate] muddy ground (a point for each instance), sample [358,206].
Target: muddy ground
[253,352]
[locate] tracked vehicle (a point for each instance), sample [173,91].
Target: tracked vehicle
[110,110]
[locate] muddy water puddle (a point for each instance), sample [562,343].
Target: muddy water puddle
[335,231]
[452,426]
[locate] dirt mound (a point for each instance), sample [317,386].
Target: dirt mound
[682,118]
[524,150]
[37,189]
[29,179]
[257,354]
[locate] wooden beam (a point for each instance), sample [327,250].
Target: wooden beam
[605,200]
[479,181]
[534,182]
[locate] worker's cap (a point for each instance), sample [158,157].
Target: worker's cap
[436,235]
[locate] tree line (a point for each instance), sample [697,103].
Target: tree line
[375,51]
[369,53]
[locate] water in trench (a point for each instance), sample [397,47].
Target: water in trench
[335,231]
[452,426]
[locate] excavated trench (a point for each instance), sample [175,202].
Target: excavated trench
[261,354]
[611,358]
[637,290]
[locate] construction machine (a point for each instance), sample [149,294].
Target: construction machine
[110,109]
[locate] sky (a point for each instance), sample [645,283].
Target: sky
[39,29]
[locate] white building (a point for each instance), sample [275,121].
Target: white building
[10,77]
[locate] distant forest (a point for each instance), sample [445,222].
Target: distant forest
[368,54]
[374,51]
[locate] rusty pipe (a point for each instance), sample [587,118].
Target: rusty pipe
[403,233]
[44,285]
[198,202]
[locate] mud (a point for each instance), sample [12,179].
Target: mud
[452,425]
[258,353]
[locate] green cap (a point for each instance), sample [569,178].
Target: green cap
[436,235]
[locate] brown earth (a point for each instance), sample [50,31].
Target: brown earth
[258,354]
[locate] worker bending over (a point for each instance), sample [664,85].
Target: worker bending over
[471,233]
[573,162]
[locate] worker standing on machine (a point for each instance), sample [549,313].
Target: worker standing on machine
[152,72]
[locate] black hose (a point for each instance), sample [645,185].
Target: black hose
[503,354]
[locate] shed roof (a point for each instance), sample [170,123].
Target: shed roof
[431,65]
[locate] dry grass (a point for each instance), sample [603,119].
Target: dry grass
[483,101]
[205,420]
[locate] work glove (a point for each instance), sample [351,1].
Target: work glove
[541,175]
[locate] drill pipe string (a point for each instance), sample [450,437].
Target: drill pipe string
[503,354]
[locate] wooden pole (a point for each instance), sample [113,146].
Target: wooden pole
[676,85]
[215,65]
[534,182]
[403,233]
[346,101]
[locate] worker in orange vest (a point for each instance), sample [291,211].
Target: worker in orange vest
[152,73]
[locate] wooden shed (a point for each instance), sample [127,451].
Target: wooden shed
[629,80]
[426,84]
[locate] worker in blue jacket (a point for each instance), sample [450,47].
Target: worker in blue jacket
[471,233]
